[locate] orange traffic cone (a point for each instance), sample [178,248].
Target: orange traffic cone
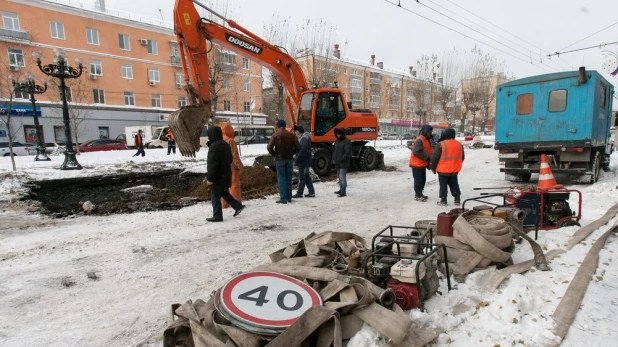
[546,178]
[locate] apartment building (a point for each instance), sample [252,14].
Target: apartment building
[131,69]
[481,92]
[400,99]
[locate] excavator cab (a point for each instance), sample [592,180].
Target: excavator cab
[321,111]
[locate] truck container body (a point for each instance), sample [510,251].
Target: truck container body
[565,115]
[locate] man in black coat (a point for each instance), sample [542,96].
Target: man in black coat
[219,175]
[341,157]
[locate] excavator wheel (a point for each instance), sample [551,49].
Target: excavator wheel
[355,162]
[321,162]
[368,158]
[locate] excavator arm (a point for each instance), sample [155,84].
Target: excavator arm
[194,33]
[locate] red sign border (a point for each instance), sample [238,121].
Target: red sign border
[226,298]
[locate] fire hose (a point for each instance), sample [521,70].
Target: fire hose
[480,240]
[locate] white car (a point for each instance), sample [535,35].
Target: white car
[18,149]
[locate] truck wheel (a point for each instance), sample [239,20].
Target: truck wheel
[321,162]
[368,158]
[595,167]
[355,162]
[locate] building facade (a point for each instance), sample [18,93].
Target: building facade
[132,73]
[481,103]
[401,100]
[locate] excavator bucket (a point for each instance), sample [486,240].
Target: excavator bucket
[187,124]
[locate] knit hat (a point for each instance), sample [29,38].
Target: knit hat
[299,128]
[281,123]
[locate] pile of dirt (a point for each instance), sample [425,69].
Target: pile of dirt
[255,183]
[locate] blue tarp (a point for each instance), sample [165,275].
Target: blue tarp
[19,111]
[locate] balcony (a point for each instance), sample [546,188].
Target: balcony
[19,35]
[175,61]
[375,80]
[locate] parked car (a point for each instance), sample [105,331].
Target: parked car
[255,139]
[102,145]
[391,137]
[409,137]
[18,149]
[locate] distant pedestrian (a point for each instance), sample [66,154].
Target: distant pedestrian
[219,174]
[283,145]
[237,166]
[139,143]
[341,157]
[171,142]
[447,160]
[304,162]
[419,161]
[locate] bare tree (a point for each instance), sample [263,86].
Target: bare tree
[449,78]
[7,97]
[425,71]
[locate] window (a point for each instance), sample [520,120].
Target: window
[227,58]
[174,50]
[180,80]
[337,69]
[92,36]
[10,20]
[57,30]
[152,47]
[524,104]
[127,71]
[104,133]
[21,95]
[557,100]
[129,98]
[123,42]
[59,134]
[98,96]
[245,63]
[182,101]
[246,85]
[96,67]
[153,74]
[247,106]
[226,82]
[16,57]
[602,94]
[156,100]
[345,71]
[227,105]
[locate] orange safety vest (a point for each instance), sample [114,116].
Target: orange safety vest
[170,136]
[418,162]
[451,158]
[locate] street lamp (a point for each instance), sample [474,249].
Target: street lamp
[474,108]
[61,70]
[28,85]
[420,113]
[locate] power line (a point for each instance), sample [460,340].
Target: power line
[460,33]
[585,48]
[589,36]
[523,40]
[540,60]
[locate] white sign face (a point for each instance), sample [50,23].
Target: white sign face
[508,155]
[267,299]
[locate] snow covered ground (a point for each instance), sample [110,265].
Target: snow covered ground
[147,261]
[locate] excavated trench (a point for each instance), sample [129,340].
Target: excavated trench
[133,192]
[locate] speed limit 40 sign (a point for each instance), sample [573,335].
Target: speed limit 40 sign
[267,299]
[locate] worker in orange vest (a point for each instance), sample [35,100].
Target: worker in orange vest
[139,143]
[237,166]
[447,160]
[171,142]
[419,161]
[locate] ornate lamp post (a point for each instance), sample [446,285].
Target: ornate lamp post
[28,85]
[61,70]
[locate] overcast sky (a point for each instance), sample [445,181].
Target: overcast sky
[398,37]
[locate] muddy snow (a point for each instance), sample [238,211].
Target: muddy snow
[110,280]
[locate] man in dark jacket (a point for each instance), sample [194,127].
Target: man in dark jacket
[219,175]
[304,162]
[447,160]
[341,157]
[419,161]
[283,145]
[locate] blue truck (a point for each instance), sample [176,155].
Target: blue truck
[565,115]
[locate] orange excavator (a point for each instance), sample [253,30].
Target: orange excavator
[318,110]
